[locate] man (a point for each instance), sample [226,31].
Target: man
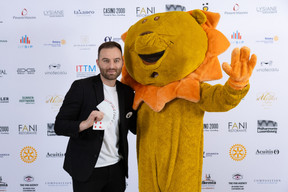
[97,160]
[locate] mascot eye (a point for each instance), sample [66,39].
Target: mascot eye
[144,21]
[156,18]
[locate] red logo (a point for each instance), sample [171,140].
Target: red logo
[24,12]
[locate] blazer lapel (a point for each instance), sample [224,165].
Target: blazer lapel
[98,88]
[121,101]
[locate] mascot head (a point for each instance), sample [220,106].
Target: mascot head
[165,48]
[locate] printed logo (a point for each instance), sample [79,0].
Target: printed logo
[211,127]
[110,38]
[236,7]
[28,185]
[266,99]
[54,13]
[237,176]
[4,130]
[25,42]
[268,40]
[54,69]
[236,35]
[55,155]
[3,185]
[143,12]
[55,66]
[24,15]
[237,38]
[267,126]
[84,43]
[85,70]
[55,43]
[267,66]
[237,152]
[236,10]
[208,183]
[84,13]
[4,99]
[55,101]
[268,152]
[29,178]
[58,183]
[3,41]
[114,11]
[3,155]
[27,100]
[267,9]
[2,72]
[172,7]
[28,154]
[267,181]
[266,63]
[237,184]
[24,12]
[209,154]
[27,129]
[50,129]
[28,71]
[237,127]
[205,7]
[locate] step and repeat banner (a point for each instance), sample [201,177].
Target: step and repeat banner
[45,46]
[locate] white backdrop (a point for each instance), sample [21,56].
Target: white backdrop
[245,149]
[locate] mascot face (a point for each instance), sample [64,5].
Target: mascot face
[165,47]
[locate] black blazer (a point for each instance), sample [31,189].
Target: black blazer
[83,147]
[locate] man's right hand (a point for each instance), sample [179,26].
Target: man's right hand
[93,117]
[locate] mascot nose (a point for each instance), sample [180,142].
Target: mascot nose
[149,42]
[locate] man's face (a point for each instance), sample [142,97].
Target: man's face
[110,63]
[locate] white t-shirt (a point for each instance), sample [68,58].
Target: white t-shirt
[109,151]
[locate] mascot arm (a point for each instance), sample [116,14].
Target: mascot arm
[241,68]
[219,98]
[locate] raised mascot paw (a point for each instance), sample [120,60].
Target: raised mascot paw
[241,67]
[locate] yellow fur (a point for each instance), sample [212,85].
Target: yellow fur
[170,142]
[171,97]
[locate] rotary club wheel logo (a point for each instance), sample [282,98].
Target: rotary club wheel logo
[237,152]
[28,154]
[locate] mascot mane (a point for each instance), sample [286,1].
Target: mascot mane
[210,69]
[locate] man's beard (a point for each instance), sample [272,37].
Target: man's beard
[108,76]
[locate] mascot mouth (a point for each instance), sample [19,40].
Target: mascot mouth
[150,59]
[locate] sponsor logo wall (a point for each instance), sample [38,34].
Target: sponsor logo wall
[46,46]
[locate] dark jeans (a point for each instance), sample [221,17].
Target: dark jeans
[103,179]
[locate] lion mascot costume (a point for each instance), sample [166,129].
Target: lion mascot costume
[168,57]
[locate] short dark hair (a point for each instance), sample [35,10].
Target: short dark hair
[109,44]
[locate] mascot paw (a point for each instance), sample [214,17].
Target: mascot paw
[241,67]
